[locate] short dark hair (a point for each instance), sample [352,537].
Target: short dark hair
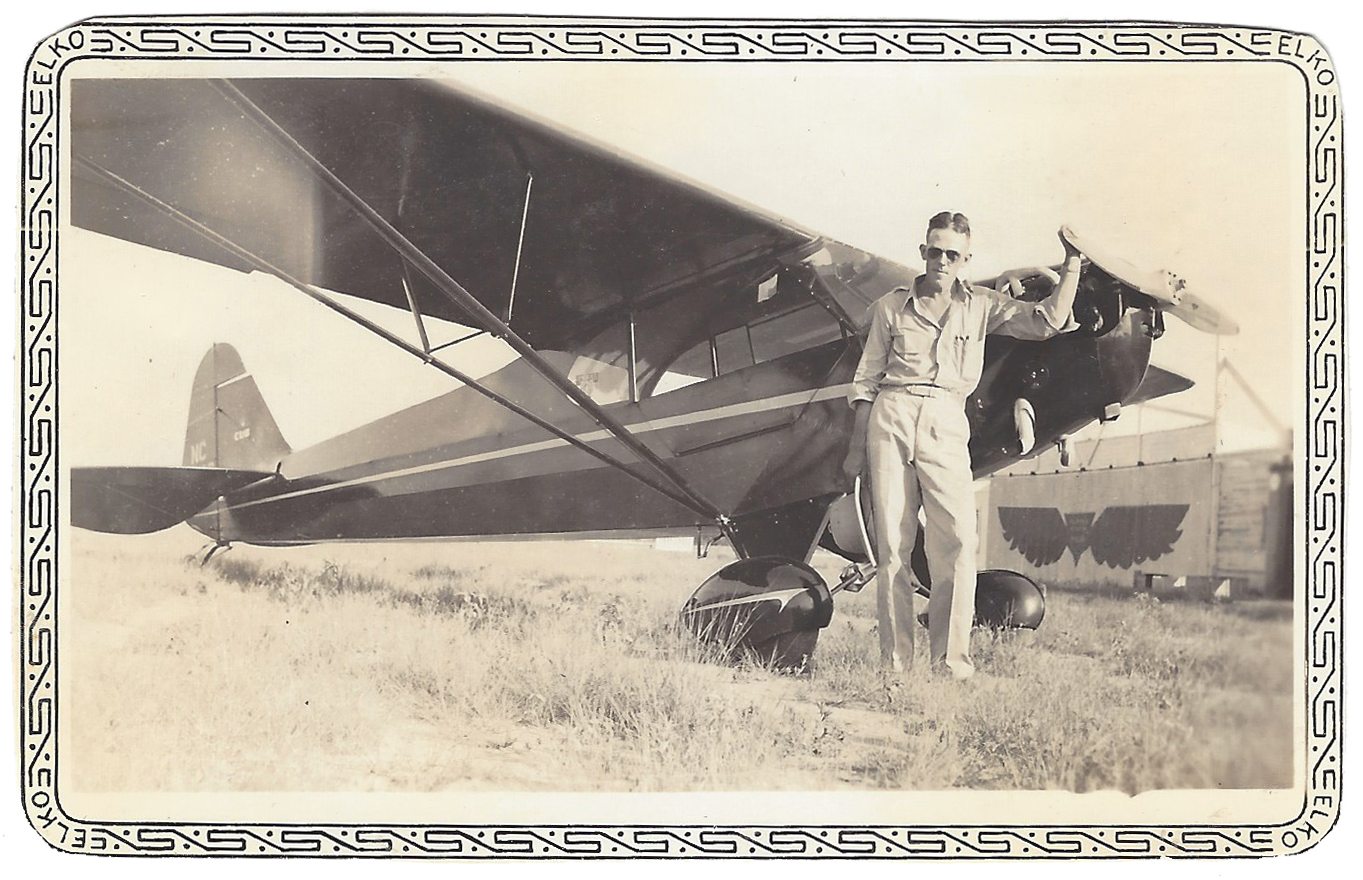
[947,220]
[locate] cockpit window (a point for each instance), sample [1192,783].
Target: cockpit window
[794,331]
[603,369]
[855,279]
[733,350]
[696,364]
[713,332]
[757,342]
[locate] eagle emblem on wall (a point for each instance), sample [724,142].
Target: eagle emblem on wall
[1118,537]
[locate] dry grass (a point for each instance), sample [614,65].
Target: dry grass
[560,667]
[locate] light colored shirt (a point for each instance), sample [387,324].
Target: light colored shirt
[904,346]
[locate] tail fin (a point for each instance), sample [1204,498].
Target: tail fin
[229,424]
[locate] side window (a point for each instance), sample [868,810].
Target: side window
[695,362]
[733,350]
[603,382]
[695,365]
[762,339]
[794,331]
[602,368]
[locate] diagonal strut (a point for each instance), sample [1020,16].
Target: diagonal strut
[427,356]
[455,292]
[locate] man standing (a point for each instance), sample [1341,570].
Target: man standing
[923,357]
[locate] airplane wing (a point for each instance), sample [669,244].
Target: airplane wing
[1038,533]
[497,200]
[1125,536]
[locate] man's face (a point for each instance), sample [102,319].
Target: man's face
[946,252]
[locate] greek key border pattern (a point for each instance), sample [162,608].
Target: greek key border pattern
[430,38]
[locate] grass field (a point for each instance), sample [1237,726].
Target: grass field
[547,666]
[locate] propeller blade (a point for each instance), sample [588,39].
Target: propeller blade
[1202,315]
[1169,291]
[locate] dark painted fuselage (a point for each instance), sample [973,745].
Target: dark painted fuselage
[763,444]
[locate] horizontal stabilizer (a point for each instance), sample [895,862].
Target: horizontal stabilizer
[1159,383]
[138,500]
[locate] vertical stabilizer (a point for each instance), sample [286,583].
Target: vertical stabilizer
[229,424]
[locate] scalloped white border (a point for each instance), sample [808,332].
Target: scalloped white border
[1322,440]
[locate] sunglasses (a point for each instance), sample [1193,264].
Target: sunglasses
[936,253]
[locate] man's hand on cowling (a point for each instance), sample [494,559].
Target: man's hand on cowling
[1070,250]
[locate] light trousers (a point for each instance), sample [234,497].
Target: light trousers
[917,446]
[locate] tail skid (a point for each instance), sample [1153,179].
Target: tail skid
[210,550]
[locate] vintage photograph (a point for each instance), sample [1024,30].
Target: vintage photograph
[553,438]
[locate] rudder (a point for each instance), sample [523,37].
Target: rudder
[229,424]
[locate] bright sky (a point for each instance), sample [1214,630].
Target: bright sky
[1199,168]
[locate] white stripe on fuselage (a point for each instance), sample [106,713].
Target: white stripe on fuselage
[748,407]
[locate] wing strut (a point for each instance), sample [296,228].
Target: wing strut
[520,246]
[456,293]
[416,311]
[421,319]
[425,355]
[465,338]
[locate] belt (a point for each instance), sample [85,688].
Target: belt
[923,390]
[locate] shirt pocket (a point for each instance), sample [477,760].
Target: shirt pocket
[899,340]
[967,356]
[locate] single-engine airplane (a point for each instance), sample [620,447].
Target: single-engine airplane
[684,360]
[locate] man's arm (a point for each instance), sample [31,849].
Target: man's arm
[1042,320]
[855,463]
[1057,307]
[875,358]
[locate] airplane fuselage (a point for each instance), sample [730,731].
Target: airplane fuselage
[764,444]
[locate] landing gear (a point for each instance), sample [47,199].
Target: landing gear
[1003,599]
[1008,600]
[772,607]
[767,607]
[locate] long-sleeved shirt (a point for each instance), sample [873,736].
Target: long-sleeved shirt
[906,347]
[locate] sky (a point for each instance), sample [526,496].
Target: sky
[1195,168]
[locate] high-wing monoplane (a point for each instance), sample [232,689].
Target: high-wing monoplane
[683,360]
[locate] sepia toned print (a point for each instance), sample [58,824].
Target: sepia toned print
[435,458]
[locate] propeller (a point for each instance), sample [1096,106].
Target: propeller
[1197,312]
[1169,291]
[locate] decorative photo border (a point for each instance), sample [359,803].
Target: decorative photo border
[1320,441]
